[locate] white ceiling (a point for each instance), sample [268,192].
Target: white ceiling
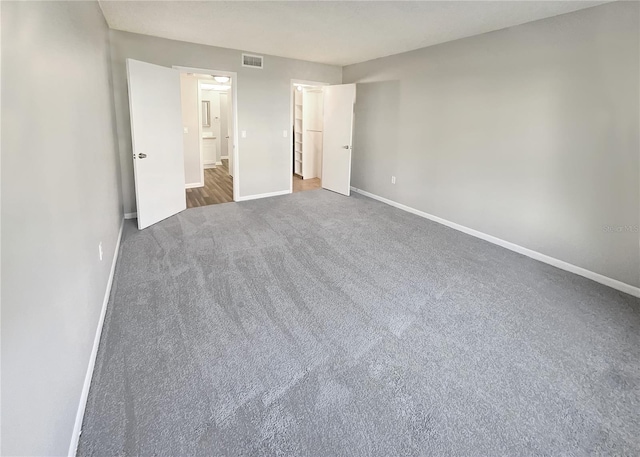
[339,33]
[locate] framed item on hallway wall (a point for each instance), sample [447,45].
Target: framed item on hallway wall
[206,114]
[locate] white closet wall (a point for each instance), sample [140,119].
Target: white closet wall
[312,132]
[307,132]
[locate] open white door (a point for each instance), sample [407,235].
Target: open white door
[337,137]
[156,134]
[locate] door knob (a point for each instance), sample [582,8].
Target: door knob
[142,155]
[345,147]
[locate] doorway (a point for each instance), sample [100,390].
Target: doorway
[208,119]
[307,135]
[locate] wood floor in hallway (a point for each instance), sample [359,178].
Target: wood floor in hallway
[218,187]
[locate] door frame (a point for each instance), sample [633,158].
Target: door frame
[200,142]
[234,119]
[295,82]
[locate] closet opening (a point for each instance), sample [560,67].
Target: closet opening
[306,140]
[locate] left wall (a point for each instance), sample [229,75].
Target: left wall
[61,197]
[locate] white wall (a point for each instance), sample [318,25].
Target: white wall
[190,119]
[263,104]
[529,134]
[60,198]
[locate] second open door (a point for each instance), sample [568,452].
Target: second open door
[339,102]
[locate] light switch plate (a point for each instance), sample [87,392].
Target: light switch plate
[186,130]
[284,133]
[244,134]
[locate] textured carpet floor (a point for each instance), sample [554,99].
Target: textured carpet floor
[319,325]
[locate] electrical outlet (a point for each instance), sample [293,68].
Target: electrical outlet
[285,133]
[100,250]
[186,129]
[393,180]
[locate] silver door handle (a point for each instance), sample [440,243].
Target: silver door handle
[345,147]
[226,136]
[142,155]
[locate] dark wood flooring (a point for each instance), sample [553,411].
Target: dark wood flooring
[218,187]
[300,184]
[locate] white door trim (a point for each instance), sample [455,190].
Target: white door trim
[291,110]
[200,144]
[234,120]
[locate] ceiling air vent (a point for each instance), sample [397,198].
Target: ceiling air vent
[249,60]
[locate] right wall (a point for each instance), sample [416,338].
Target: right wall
[529,134]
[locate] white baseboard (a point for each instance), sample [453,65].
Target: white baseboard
[269,194]
[224,157]
[597,277]
[209,165]
[77,429]
[130,215]
[218,163]
[193,185]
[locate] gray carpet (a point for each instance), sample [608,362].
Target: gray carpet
[320,325]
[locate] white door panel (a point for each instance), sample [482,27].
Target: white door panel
[337,137]
[156,134]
